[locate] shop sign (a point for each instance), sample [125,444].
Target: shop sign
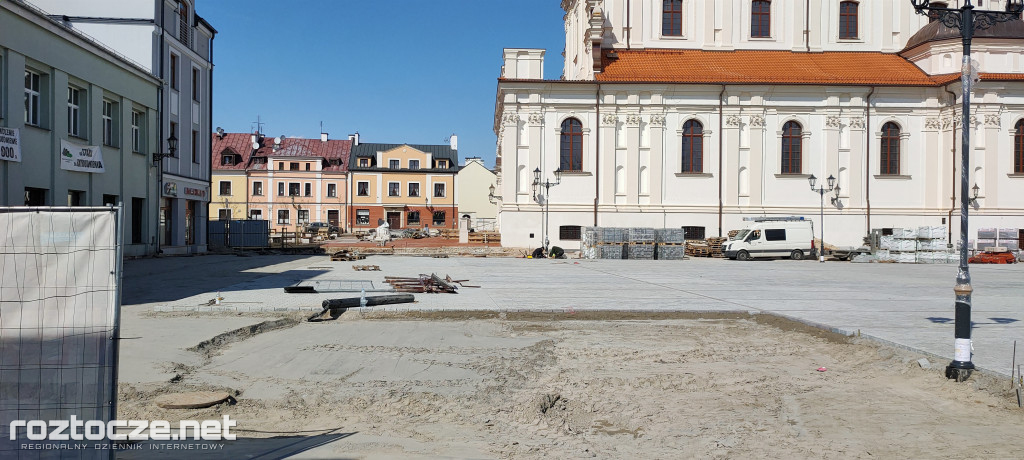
[193,192]
[10,144]
[78,157]
[170,189]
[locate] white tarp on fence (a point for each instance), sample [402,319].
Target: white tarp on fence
[59,301]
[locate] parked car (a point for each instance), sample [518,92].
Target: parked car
[772,238]
[317,227]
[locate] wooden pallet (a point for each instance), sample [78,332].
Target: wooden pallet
[366,268]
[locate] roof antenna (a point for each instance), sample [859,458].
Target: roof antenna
[259,124]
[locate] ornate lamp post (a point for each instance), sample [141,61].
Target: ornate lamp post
[158,158]
[821,192]
[547,184]
[967,20]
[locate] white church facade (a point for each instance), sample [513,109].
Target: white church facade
[698,114]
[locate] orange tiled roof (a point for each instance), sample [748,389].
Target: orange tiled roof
[759,67]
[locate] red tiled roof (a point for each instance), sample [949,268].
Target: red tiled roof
[241,143]
[761,67]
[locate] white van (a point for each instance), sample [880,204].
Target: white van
[779,237]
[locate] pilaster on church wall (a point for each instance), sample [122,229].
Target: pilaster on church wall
[932,161]
[858,156]
[989,121]
[606,130]
[632,159]
[535,147]
[658,160]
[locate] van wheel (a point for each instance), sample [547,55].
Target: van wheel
[743,255]
[796,255]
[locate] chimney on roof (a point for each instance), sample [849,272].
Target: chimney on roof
[354,138]
[455,142]
[323,137]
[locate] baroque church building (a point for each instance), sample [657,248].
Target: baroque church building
[700,113]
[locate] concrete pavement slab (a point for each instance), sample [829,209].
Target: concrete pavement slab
[909,305]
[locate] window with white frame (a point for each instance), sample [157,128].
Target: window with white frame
[394,189]
[74,110]
[136,131]
[414,189]
[109,127]
[394,164]
[225,187]
[32,97]
[280,189]
[414,164]
[308,189]
[293,188]
[256,214]
[362,188]
[257,188]
[282,216]
[672,18]
[303,216]
[760,19]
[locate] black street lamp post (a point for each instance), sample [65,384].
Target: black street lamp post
[821,192]
[967,20]
[158,158]
[547,184]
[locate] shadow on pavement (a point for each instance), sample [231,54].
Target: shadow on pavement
[277,447]
[174,278]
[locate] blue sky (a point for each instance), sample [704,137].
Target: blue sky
[401,71]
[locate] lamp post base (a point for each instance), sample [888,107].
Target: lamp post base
[959,370]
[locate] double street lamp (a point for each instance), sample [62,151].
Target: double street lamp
[547,184]
[822,191]
[967,20]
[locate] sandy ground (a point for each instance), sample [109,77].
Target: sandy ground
[577,385]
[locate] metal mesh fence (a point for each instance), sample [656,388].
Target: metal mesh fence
[59,304]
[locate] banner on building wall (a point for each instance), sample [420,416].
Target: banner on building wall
[78,157]
[10,145]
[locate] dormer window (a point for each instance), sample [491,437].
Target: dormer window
[227,160]
[364,162]
[442,164]
[394,164]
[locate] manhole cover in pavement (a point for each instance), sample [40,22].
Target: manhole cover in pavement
[191,400]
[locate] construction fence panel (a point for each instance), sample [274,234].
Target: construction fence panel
[59,316]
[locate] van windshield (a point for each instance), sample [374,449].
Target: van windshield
[741,235]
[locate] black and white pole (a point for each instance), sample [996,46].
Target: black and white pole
[831,181]
[967,20]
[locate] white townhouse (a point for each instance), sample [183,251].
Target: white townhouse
[77,123]
[697,114]
[175,44]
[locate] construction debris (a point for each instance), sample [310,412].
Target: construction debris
[366,268]
[337,306]
[346,255]
[431,284]
[321,286]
